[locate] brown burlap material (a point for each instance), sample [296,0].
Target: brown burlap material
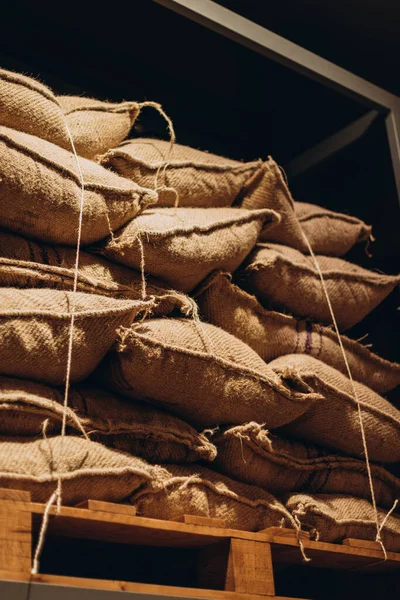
[283,277]
[335,517]
[195,490]
[41,192]
[202,373]
[330,233]
[26,264]
[199,179]
[182,246]
[254,455]
[272,334]
[97,126]
[334,421]
[133,427]
[87,469]
[35,325]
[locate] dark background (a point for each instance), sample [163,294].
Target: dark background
[232,101]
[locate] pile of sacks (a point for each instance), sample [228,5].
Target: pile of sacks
[213,386]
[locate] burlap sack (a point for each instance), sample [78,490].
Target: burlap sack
[184,245]
[199,179]
[333,518]
[283,277]
[40,192]
[254,455]
[334,421]
[35,325]
[87,469]
[272,334]
[330,233]
[201,373]
[195,490]
[31,107]
[129,426]
[97,126]
[27,264]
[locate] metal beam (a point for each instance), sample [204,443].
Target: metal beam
[265,42]
[331,145]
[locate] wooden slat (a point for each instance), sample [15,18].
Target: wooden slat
[250,568]
[15,537]
[355,543]
[108,507]
[143,588]
[198,520]
[15,547]
[6,494]
[285,533]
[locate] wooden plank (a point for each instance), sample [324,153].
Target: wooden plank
[355,543]
[198,520]
[286,533]
[15,547]
[108,507]
[250,568]
[6,494]
[144,588]
[20,564]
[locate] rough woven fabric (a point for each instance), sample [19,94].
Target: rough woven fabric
[200,179]
[283,277]
[195,490]
[272,334]
[334,421]
[87,469]
[184,245]
[133,427]
[97,126]
[254,455]
[40,192]
[203,374]
[330,233]
[34,331]
[333,518]
[26,264]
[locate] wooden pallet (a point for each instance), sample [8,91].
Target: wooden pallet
[234,565]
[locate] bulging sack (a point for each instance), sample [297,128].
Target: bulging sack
[132,427]
[40,192]
[182,246]
[195,490]
[199,179]
[330,233]
[201,373]
[28,264]
[35,325]
[254,455]
[95,126]
[334,422]
[272,334]
[283,277]
[87,469]
[333,518]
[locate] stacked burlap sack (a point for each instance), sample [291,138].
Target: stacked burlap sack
[205,376]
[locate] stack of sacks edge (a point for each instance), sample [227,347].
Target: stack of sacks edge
[203,359]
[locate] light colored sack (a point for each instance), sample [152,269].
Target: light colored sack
[26,264]
[333,518]
[95,126]
[201,373]
[194,490]
[88,470]
[330,233]
[254,455]
[128,426]
[272,334]
[41,192]
[199,179]
[283,277]
[35,326]
[334,422]
[182,246]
